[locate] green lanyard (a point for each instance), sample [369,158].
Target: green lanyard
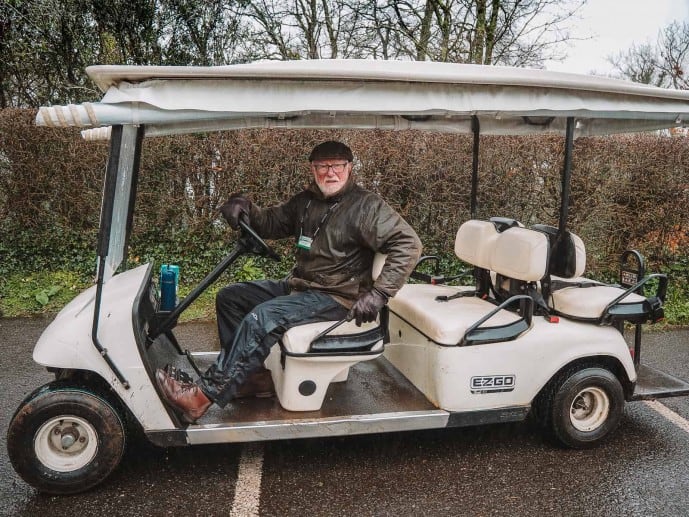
[304,242]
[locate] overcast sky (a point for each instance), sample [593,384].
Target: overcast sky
[614,25]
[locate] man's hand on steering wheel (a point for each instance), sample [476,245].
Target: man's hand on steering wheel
[253,242]
[236,212]
[235,207]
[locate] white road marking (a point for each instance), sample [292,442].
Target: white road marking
[668,413]
[247,492]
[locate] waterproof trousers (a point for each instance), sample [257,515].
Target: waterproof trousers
[252,316]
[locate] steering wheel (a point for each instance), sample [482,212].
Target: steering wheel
[259,245]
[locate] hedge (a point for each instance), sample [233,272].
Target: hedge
[627,191]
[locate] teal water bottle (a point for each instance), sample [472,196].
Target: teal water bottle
[168,287]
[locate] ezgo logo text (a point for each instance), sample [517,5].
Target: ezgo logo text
[492,383]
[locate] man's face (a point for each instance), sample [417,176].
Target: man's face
[331,175]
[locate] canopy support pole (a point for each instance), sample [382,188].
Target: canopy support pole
[566,176]
[475,129]
[103,240]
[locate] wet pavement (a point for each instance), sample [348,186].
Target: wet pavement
[506,469]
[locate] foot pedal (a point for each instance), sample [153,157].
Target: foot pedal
[193,363]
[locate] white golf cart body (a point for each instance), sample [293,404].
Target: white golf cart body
[432,370]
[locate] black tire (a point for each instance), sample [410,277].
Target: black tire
[64,440]
[580,407]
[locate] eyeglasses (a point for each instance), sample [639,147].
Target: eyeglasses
[322,168]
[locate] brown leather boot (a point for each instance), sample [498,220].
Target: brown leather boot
[258,384]
[186,397]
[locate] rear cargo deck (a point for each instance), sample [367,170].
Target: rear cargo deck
[654,384]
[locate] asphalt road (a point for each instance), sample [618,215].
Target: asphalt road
[506,469]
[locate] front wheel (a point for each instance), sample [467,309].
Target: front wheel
[64,440]
[581,407]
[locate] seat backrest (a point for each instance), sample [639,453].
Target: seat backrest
[475,242]
[518,253]
[567,254]
[521,254]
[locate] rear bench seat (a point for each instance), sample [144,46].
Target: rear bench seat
[444,323]
[570,295]
[516,253]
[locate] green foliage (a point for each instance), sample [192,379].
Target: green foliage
[47,292]
[677,303]
[249,271]
[677,307]
[203,307]
[44,295]
[35,293]
[51,246]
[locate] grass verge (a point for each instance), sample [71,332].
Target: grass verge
[45,293]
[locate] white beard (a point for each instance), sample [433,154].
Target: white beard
[330,188]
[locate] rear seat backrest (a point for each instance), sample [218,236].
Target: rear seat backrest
[568,256]
[579,254]
[521,254]
[475,242]
[518,253]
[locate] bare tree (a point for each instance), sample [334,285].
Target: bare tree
[44,52]
[507,32]
[270,36]
[519,32]
[310,29]
[674,51]
[664,64]
[127,31]
[202,33]
[640,64]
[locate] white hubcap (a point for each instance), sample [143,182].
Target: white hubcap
[66,443]
[589,409]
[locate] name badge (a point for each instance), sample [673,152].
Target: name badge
[304,242]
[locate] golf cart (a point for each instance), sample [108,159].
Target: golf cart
[439,355]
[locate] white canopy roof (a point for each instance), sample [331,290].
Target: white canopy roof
[367,94]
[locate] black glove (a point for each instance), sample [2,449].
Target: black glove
[233,209]
[367,307]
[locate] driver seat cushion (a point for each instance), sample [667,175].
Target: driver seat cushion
[297,339]
[301,376]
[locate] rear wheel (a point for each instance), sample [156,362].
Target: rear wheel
[581,406]
[64,440]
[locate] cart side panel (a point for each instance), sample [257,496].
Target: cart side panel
[498,375]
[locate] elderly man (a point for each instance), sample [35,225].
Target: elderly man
[338,227]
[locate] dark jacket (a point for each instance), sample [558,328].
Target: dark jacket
[349,229]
